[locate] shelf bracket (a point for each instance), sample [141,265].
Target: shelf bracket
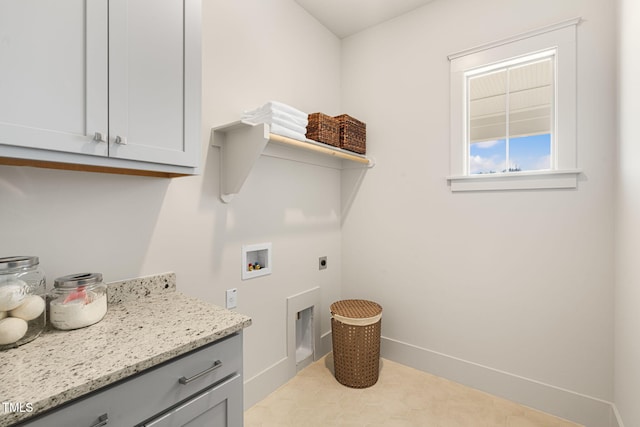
[240,147]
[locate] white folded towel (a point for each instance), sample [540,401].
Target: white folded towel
[289,125]
[274,120]
[260,116]
[283,119]
[285,131]
[278,106]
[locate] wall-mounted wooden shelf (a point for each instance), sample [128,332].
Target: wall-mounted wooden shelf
[241,144]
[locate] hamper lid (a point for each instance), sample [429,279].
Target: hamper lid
[356,311]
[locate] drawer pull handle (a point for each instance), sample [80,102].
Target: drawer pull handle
[121,140]
[103,420]
[185,380]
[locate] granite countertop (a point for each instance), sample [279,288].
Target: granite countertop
[147,323]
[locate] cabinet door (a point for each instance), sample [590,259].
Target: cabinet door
[53,75]
[154,81]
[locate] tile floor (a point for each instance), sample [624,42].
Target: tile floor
[402,396]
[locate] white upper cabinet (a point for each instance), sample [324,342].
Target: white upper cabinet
[53,75]
[105,83]
[148,59]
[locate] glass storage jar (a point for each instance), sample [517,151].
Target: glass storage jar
[77,300]
[22,300]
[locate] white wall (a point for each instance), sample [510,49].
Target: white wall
[253,51]
[519,283]
[627,319]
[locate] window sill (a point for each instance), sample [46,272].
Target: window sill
[515,181]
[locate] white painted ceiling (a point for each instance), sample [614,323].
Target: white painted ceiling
[346,17]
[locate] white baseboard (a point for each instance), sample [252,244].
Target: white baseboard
[266,382]
[616,420]
[326,345]
[586,410]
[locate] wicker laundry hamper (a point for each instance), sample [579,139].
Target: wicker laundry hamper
[355,332]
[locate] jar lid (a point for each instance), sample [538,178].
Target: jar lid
[11,262]
[75,280]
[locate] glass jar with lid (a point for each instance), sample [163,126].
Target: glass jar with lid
[22,300]
[77,300]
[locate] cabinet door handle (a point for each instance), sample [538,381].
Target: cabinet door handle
[98,137]
[185,380]
[103,420]
[121,140]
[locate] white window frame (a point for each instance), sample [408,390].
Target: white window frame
[560,37]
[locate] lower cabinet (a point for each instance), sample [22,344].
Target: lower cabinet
[200,389]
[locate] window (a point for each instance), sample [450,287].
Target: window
[513,112]
[509,112]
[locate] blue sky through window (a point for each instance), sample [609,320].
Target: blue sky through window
[528,153]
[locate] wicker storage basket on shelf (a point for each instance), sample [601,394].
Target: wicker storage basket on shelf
[323,128]
[353,134]
[355,334]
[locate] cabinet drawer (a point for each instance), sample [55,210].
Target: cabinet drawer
[220,406]
[182,378]
[152,391]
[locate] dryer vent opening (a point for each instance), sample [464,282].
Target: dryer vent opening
[304,338]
